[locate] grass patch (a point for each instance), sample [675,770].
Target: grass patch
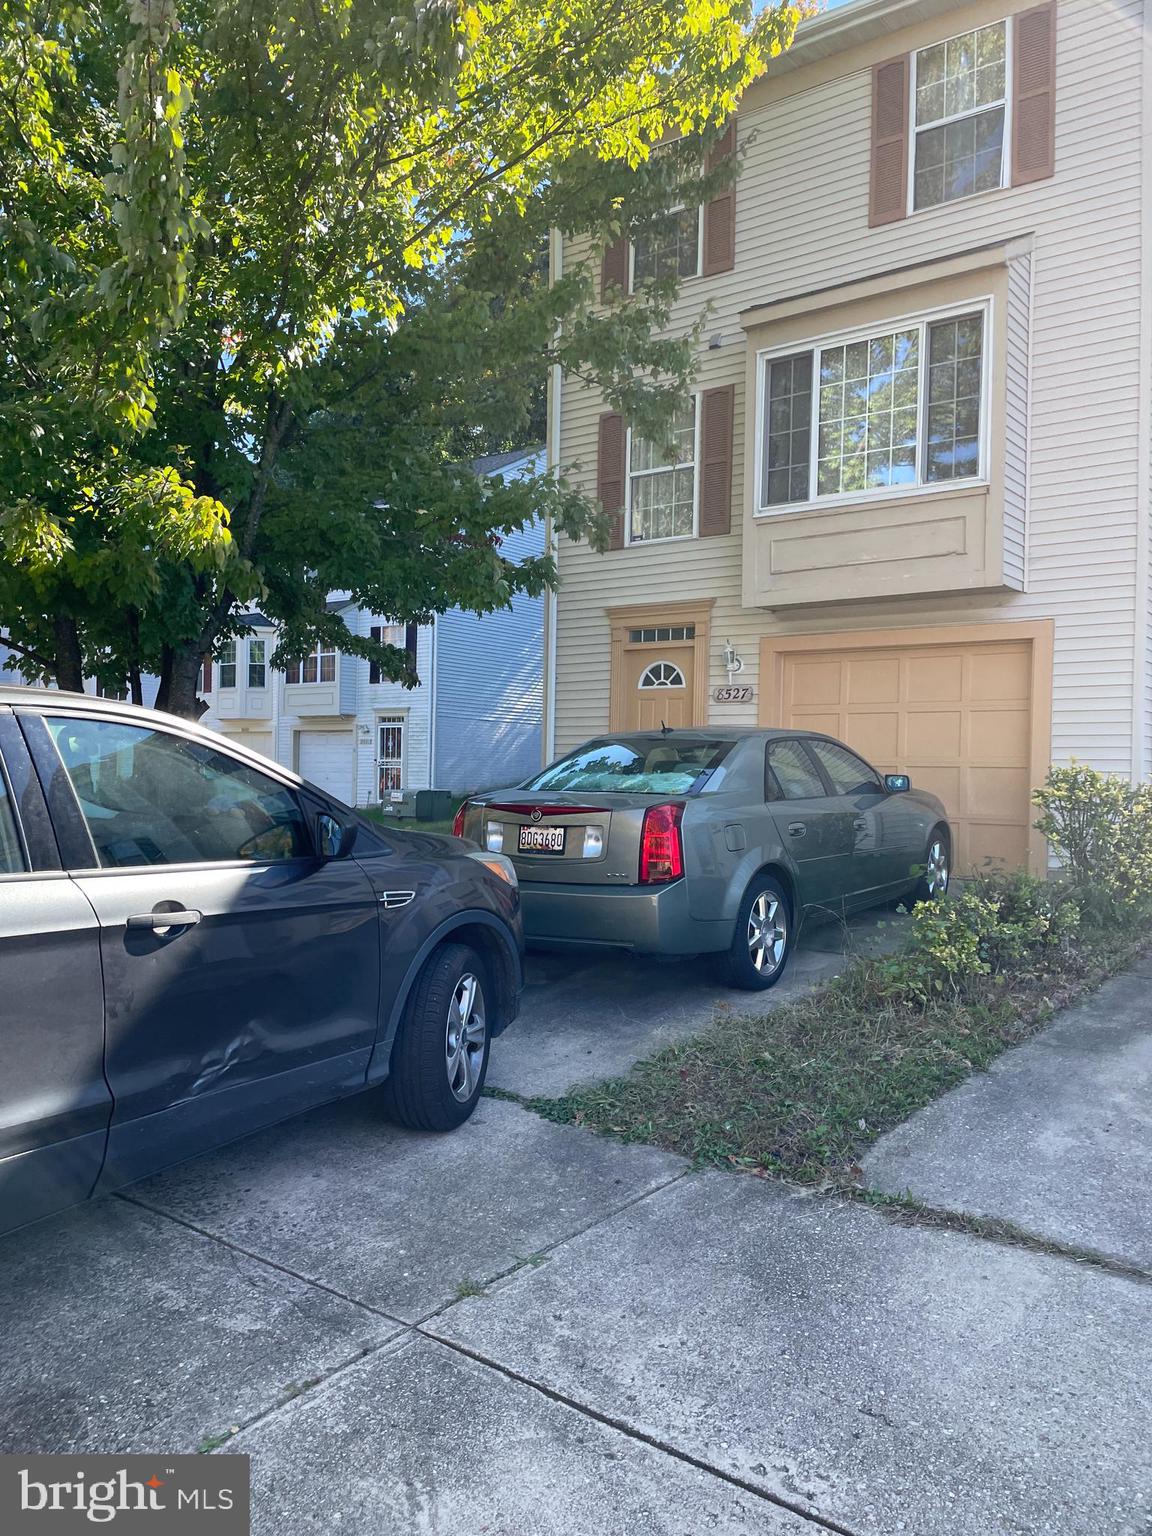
[802,1090]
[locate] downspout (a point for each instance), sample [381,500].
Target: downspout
[555,385]
[432,705]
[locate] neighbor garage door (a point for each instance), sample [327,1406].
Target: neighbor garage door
[255,741]
[326,758]
[959,717]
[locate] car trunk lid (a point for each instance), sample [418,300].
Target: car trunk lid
[576,838]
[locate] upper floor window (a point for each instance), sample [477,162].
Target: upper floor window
[671,248]
[895,407]
[662,483]
[319,666]
[257,664]
[960,110]
[227,663]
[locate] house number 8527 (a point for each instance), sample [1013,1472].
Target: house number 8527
[733,693]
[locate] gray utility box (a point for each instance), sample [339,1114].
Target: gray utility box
[435,805]
[401,802]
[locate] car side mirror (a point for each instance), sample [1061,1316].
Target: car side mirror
[897,783]
[336,839]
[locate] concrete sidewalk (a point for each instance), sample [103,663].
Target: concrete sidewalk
[527,1330]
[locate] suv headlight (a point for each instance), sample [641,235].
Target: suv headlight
[497,863]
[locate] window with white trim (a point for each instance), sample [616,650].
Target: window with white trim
[670,247]
[319,666]
[662,674]
[662,483]
[894,407]
[227,664]
[257,663]
[959,116]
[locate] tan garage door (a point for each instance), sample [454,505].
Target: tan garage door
[959,718]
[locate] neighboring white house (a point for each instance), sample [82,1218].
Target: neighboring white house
[474,721]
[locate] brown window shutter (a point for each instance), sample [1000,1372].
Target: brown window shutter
[614,267]
[1034,95]
[206,676]
[716,411]
[376,631]
[720,213]
[610,472]
[888,187]
[411,635]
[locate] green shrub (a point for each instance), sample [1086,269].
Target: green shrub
[1100,827]
[988,926]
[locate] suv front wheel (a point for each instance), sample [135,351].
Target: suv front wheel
[440,1058]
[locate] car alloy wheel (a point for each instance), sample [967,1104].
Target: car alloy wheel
[767,932]
[936,868]
[465,1037]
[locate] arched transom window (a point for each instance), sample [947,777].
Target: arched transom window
[662,674]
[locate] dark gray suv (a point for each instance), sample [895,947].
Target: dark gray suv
[194,942]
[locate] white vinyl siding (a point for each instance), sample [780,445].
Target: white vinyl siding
[802,225]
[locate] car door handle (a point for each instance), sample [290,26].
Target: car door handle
[860,824]
[797,828]
[160,922]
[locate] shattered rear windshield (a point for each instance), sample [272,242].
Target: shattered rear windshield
[636,765]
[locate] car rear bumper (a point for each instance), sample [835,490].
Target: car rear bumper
[653,920]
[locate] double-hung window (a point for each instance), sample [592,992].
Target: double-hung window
[662,483]
[319,666]
[897,406]
[257,664]
[670,248]
[959,116]
[227,662]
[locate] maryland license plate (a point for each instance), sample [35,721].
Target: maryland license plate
[541,840]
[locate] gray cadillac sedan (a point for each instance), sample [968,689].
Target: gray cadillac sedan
[710,841]
[194,942]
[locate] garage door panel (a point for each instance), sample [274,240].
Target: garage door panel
[1002,675]
[935,735]
[999,735]
[875,736]
[956,717]
[935,679]
[817,682]
[873,680]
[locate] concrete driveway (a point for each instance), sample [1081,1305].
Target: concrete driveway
[524,1328]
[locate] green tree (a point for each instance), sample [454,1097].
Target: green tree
[269,272]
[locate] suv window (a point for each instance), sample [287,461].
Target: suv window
[794,771]
[11,855]
[150,797]
[850,774]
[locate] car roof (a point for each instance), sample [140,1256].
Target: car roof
[710,733]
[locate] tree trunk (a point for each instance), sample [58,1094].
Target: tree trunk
[68,660]
[177,692]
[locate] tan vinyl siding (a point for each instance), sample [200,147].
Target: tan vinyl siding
[802,225]
[1019,327]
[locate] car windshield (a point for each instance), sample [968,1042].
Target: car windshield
[637,765]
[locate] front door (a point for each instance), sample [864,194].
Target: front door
[241,970]
[659,685]
[390,756]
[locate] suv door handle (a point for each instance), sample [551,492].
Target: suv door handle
[162,922]
[860,824]
[797,828]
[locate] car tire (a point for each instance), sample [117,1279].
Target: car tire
[437,1076]
[933,883]
[756,961]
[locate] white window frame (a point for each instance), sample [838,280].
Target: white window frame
[662,686]
[672,538]
[316,652]
[914,128]
[984,305]
[398,720]
[689,277]
[262,663]
[233,662]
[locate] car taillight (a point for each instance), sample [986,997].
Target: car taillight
[458,819]
[661,850]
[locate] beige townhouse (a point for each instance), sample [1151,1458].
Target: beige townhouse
[910,501]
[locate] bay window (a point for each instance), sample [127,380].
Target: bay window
[898,406]
[319,666]
[227,664]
